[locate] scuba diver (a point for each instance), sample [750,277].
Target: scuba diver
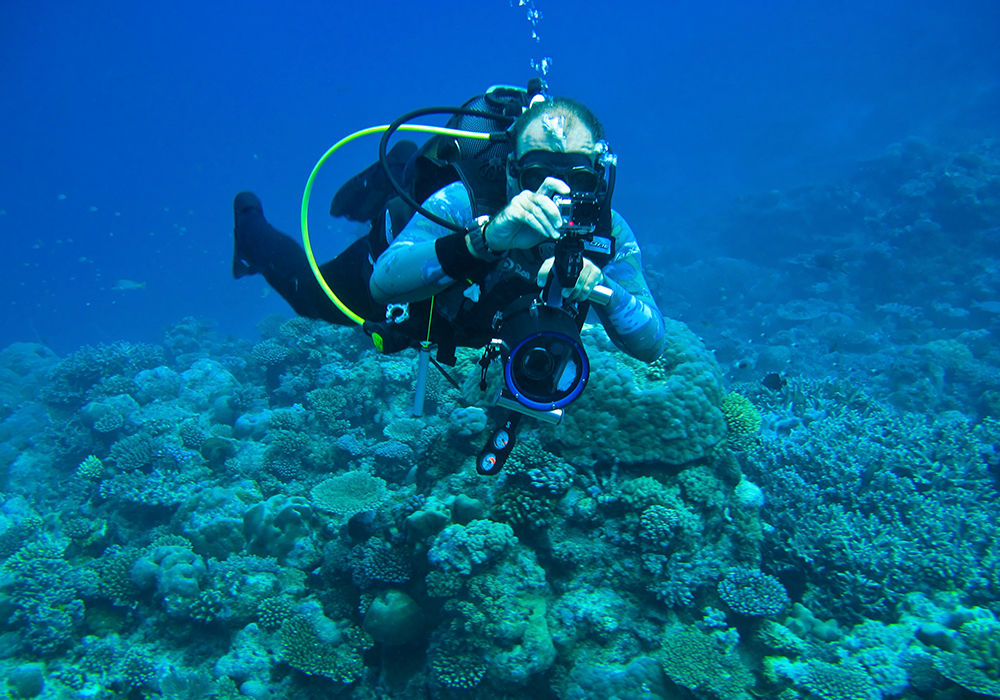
[502,244]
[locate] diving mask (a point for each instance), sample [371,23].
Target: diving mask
[575,169]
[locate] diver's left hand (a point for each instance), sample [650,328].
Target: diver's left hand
[590,277]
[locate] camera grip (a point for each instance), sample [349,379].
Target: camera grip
[600,295]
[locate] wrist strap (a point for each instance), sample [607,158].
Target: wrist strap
[477,237]
[456,260]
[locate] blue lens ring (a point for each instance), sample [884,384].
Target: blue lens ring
[508,373]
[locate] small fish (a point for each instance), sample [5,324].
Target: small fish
[773,381]
[990,307]
[128,285]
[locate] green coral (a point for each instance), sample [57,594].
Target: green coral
[622,413]
[705,663]
[975,665]
[753,593]
[350,493]
[133,452]
[329,404]
[742,421]
[339,657]
[90,468]
[273,612]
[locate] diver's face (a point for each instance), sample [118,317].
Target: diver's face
[556,132]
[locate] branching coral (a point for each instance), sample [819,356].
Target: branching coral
[753,593]
[324,649]
[460,548]
[975,664]
[743,421]
[699,661]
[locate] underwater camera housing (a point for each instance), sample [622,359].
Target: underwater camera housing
[545,367]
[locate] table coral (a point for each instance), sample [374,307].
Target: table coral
[350,493]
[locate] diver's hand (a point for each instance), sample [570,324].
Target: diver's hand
[529,219]
[590,277]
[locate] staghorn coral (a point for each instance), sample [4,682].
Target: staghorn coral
[825,681]
[273,612]
[658,524]
[135,670]
[43,594]
[191,435]
[269,352]
[843,495]
[133,452]
[538,469]
[456,664]
[72,379]
[109,422]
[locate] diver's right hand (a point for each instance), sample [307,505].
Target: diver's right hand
[529,218]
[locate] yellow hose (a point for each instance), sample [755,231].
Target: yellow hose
[312,177]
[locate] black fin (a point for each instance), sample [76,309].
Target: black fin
[245,204]
[364,196]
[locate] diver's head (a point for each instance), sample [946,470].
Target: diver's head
[557,125]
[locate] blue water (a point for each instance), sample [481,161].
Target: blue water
[148,121]
[202,498]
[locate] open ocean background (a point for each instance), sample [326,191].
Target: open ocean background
[199,499]
[147,122]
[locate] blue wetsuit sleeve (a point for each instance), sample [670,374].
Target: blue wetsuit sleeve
[632,319]
[409,269]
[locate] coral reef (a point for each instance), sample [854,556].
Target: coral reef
[797,500]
